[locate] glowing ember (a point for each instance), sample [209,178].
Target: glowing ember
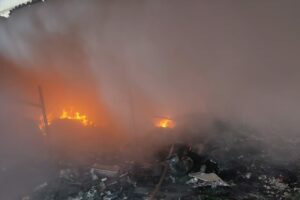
[41,122]
[164,123]
[66,115]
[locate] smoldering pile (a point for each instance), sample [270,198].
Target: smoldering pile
[235,165]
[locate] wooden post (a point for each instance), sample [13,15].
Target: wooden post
[46,124]
[43,107]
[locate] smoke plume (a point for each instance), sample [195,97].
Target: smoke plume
[127,62]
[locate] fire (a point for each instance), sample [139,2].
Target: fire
[164,123]
[42,124]
[66,115]
[75,116]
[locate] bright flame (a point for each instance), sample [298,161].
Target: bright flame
[75,116]
[164,123]
[71,115]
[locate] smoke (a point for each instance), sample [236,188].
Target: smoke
[128,62]
[235,60]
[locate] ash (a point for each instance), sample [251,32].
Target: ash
[234,165]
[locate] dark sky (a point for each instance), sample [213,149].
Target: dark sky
[236,60]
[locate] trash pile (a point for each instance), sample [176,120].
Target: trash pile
[238,171]
[171,178]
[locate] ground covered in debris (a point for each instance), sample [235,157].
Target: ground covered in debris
[236,166]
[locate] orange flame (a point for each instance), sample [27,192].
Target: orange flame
[71,115]
[164,123]
[75,116]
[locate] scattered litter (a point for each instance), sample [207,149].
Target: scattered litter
[182,174]
[41,186]
[107,170]
[206,179]
[68,174]
[93,175]
[248,175]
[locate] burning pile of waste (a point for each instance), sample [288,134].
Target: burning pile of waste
[234,166]
[66,115]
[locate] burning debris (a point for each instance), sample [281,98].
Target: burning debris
[75,116]
[66,115]
[179,172]
[163,122]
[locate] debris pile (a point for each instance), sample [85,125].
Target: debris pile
[238,171]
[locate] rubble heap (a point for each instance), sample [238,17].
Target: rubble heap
[239,171]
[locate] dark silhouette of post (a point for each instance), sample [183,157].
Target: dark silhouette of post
[43,107]
[45,120]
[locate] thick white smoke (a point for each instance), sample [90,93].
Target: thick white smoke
[234,60]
